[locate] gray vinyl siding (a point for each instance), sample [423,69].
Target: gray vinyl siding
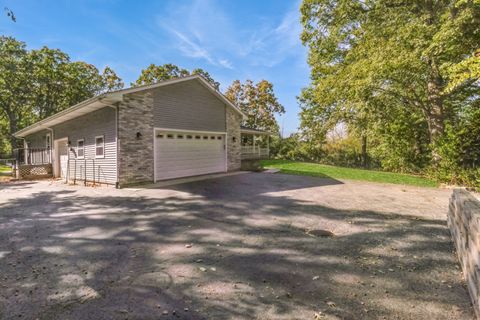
[38,140]
[188,106]
[87,127]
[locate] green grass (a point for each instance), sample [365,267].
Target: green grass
[320,170]
[5,169]
[5,173]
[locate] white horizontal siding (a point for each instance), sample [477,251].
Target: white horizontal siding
[87,127]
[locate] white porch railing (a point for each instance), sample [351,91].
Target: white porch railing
[254,152]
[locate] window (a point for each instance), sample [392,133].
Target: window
[99,147]
[80,148]
[205,137]
[219,138]
[189,137]
[197,137]
[160,136]
[179,136]
[170,136]
[212,137]
[48,141]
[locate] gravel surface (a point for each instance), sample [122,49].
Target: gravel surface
[247,246]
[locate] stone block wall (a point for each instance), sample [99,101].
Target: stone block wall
[464,223]
[135,134]
[233,119]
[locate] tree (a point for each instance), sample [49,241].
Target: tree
[15,84]
[38,83]
[111,81]
[154,73]
[258,102]
[60,83]
[390,60]
[207,77]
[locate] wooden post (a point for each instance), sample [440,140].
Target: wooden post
[75,173]
[268,146]
[17,169]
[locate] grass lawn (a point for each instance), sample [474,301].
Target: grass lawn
[5,173]
[321,170]
[5,169]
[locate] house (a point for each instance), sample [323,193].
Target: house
[175,128]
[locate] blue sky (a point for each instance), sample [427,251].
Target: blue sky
[230,39]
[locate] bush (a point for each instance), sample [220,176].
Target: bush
[459,152]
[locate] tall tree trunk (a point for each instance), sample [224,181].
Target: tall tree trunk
[13,126]
[435,115]
[364,152]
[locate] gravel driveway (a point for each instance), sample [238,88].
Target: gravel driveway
[233,247]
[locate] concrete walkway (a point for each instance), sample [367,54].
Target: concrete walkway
[232,247]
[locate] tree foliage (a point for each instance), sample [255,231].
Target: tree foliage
[35,84]
[399,72]
[154,73]
[258,102]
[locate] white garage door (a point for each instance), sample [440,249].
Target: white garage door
[183,154]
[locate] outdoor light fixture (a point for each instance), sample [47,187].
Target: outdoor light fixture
[139,135]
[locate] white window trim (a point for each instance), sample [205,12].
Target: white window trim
[48,138]
[83,140]
[103,139]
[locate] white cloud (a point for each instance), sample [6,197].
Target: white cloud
[225,63]
[203,29]
[192,49]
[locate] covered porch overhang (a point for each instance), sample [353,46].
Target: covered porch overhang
[255,143]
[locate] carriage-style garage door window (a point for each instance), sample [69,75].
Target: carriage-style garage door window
[99,147]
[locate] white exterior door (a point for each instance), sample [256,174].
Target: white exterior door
[63,161]
[60,158]
[183,154]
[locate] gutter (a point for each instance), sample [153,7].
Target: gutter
[41,123]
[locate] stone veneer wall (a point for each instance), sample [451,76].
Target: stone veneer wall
[135,155]
[233,119]
[464,223]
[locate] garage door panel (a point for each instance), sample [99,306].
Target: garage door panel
[179,156]
[185,157]
[182,164]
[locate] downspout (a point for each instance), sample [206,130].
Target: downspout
[117,140]
[51,148]
[25,150]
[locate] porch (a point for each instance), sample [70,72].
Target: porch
[32,163]
[255,144]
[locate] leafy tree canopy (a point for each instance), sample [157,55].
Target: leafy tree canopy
[398,71]
[38,83]
[154,73]
[258,102]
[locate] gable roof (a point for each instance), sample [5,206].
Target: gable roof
[109,98]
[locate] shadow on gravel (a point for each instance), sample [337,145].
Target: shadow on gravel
[220,249]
